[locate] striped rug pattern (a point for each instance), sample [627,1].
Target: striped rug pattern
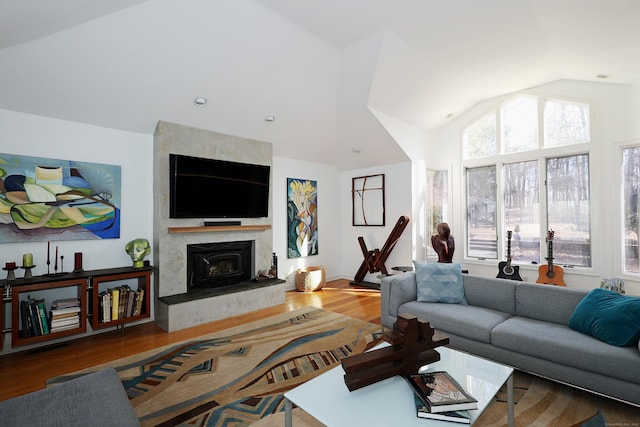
[237,376]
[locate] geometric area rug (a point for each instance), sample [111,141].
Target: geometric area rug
[538,402]
[542,402]
[237,376]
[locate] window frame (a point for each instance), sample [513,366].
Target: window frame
[540,154]
[620,221]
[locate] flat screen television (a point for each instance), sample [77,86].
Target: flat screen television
[209,188]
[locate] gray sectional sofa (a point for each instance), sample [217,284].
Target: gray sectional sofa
[524,325]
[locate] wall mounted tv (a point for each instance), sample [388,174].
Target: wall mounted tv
[209,188]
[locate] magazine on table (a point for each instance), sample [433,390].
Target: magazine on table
[422,411]
[440,392]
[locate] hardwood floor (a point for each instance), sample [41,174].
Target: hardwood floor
[28,371]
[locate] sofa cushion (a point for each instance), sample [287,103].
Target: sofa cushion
[466,321]
[608,316]
[561,344]
[497,294]
[439,282]
[549,303]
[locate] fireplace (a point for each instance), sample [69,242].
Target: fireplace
[215,265]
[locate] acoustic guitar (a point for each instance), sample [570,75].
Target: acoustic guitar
[550,274]
[505,269]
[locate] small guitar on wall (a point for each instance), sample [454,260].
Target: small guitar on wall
[505,269]
[550,274]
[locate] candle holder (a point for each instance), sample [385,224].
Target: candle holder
[27,271]
[9,267]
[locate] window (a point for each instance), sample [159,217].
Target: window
[519,123]
[522,209]
[568,209]
[565,123]
[515,184]
[481,213]
[631,207]
[437,203]
[480,138]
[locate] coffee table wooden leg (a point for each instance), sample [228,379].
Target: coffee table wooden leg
[288,415]
[510,409]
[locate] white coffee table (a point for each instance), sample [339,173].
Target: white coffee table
[390,402]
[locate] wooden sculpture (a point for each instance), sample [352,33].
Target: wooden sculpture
[374,260]
[412,345]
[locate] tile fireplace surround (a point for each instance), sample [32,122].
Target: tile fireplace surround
[174,308]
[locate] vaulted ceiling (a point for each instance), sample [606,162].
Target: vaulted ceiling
[334,73]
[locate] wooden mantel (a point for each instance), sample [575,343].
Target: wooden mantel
[218,228]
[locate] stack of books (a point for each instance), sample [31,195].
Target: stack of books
[439,396]
[65,314]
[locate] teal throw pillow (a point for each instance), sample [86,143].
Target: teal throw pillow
[439,282]
[608,316]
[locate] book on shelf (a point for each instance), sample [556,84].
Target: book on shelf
[65,303]
[440,392]
[137,302]
[65,321]
[42,313]
[115,301]
[462,417]
[65,327]
[63,311]
[56,315]
[122,304]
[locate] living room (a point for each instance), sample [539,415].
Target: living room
[340,111]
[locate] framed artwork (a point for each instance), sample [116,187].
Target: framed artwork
[367,193]
[302,218]
[43,199]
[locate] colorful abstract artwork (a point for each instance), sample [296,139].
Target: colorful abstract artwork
[43,199]
[302,218]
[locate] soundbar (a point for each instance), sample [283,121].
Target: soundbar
[221,223]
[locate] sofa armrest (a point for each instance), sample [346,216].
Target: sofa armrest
[97,400]
[394,291]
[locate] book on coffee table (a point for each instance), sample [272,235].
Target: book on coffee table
[440,392]
[422,411]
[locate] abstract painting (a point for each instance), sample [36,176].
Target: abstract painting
[43,199]
[302,218]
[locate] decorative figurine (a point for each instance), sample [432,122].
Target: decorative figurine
[443,243]
[137,250]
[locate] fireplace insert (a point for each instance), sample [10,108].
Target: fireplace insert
[212,265]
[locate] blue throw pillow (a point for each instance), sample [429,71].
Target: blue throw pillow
[608,316]
[439,282]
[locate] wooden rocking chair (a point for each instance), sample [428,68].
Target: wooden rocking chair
[374,260]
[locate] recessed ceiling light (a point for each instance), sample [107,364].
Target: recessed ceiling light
[602,76]
[270,118]
[200,101]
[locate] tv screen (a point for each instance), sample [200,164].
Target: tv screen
[209,188]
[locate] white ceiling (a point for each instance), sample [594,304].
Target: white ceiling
[331,72]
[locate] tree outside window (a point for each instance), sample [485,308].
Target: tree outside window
[631,207]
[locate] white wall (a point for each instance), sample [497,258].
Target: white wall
[329,214]
[29,135]
[398,193]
